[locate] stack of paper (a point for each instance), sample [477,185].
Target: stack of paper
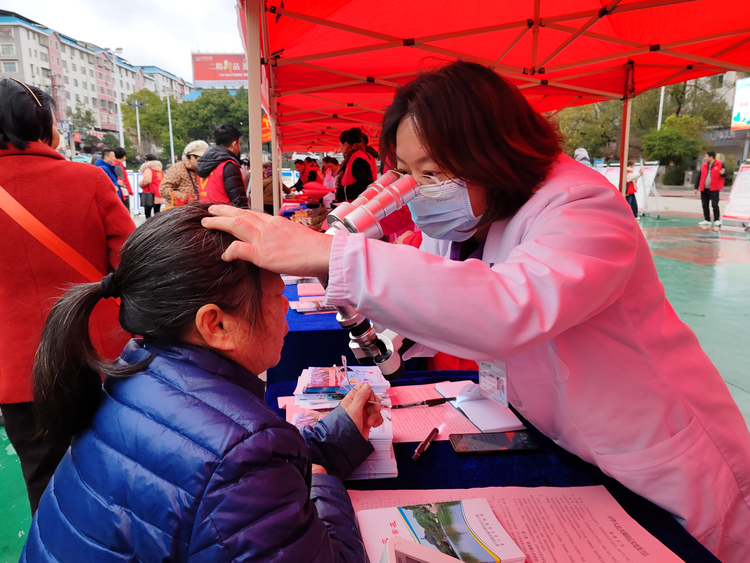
[466,530]
[486,414]
[323,388]
[311,297]
[381,464]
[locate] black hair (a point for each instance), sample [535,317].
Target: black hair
[478,127]
[309,160]
[226,134]
[298,161]
[22,119]
[170,267]
[150,156]
[712,154]
[352,136]
[105,152]
[120,152]
[331,160]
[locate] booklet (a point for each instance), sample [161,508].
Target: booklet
[486,414]
[308,307]
[465,529]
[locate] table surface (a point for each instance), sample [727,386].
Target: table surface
[550,465]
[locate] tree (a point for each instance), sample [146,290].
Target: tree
[597,126]
[82,120]
[670,146]
[110,141]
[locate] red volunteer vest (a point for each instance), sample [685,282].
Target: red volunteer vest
[630,188]
[348,178]
[211,188]
[156,178]
[717,181]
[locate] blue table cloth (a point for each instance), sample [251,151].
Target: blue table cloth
[550,465]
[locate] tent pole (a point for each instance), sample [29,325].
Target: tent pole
[661,109]
[627,106]
[252,48]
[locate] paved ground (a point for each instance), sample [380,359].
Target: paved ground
[706,275]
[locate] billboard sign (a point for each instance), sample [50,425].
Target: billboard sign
[741,108]
[216,70]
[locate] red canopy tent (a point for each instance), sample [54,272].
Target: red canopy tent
[328,66]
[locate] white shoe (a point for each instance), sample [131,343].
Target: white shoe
[705,223]
[717,223]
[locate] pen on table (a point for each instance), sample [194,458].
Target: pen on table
[422,447]
[427,402]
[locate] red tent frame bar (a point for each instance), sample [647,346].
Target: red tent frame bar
[260,60]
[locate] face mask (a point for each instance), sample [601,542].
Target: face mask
[448,216]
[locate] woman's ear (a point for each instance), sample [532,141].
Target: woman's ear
[216,328]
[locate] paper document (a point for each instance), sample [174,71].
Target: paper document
[466,530]
[548,523]
[415,423]
[486,414]
[308,288]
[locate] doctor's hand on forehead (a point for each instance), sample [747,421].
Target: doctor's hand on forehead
[272,243]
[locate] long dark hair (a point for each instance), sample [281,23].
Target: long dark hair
[22,119]
[478,127]
[170,267]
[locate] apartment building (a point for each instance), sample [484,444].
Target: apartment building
[77,73]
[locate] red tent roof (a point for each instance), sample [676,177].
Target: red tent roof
[335,64]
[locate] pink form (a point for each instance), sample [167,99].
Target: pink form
[548,523]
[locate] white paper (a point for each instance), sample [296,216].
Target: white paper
[549,524]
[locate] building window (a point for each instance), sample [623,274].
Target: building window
[44,57]
[85,86]
[10,67]
[43,41]
[75,82]
[109,92]
[100,76]
[65,64]
[46,73]
[93,88]
[101,89]
[75,68]
[57,46]
[111,106]
[6,31]
[80,54]
[62,48]
[8,49]
[128,86]
[78,98]
[121,86]
[122,96]
[67,95]
[93,102]
[65,79]
[58,61]
[104,104]
[91,59]
[91,73]
[85,99]
[29,51]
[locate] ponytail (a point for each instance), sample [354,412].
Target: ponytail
[67,384]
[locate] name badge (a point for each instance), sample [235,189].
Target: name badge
[493,381]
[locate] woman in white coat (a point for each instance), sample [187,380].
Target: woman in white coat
[533,259]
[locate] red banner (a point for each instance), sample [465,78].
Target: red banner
[211,69]
[266,129]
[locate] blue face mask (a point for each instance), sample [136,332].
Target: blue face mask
[448,216]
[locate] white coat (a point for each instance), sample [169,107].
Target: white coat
[568,296]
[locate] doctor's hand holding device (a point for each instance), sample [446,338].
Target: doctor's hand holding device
[528,264]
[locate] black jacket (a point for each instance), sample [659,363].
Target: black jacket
[233,183]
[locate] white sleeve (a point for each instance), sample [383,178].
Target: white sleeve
[573,261]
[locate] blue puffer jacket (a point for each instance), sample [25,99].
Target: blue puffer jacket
[184,462]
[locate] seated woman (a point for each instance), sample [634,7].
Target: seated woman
[177,457]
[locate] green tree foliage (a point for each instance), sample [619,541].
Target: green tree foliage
[597,126]
[82,120]
[191,120]
[677,141]
[110,141]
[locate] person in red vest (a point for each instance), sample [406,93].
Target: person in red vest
[358,170]
[630,190]
[219,175]
[710,184]
[149,183]
[122,174]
